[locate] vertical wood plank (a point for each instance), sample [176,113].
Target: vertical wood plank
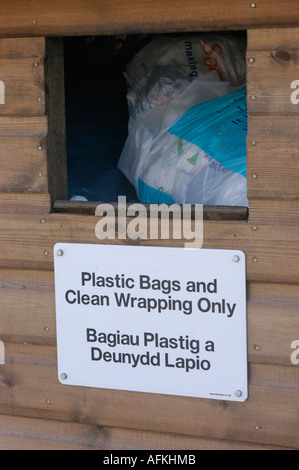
[55,108]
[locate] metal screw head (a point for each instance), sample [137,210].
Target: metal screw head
[238,393]
[257,427]
[251,60]
[39,147]
[254,260]
[59,252]
[63,376]
[236,258]
[253,143]
[46,253]
[48,402]
[43,221]
[252,5]
[34,22]
[254,176]
[252,97]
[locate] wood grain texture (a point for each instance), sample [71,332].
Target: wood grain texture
[52,17]
[22,72]
[29,387]
[19,433]
[23,164]
[25,203]
[55,109]
[17,48]
[275,211]
[272,313]
[27,306]
[24,86]
[272,167]
[23,126]
[269,80]
[272,39]
[272,252]
[272,65]
[273,123]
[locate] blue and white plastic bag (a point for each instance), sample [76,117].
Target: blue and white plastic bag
[189,148]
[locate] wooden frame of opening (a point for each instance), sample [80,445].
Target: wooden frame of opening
[57,170]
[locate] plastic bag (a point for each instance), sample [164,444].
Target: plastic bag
[166,79]
[202,157]
[167,65]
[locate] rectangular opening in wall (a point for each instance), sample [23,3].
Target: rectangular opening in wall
[157,119]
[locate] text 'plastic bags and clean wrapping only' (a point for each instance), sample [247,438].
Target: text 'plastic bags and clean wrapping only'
[188,121]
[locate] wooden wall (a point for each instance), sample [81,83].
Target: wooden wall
[54,17]
[36,411]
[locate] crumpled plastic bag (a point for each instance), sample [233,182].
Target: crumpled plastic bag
[166,79]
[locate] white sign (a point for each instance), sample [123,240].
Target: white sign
[152,319]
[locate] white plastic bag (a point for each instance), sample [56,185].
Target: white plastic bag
[202,157]
[167,78]
[167,65]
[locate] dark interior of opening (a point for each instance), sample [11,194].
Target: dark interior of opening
[97,113]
